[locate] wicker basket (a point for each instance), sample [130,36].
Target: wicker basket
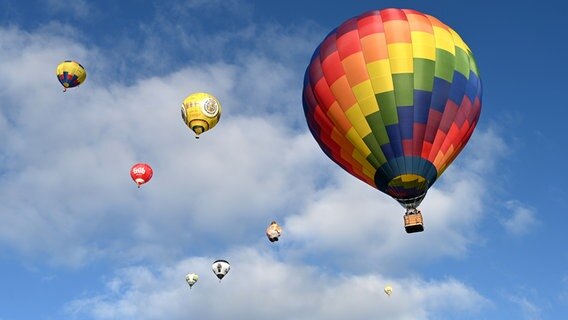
[413,223]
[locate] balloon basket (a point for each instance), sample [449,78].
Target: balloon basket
[413,222]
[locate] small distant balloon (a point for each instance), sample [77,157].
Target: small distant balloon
[141,173]
[273,231]
[70,74]
[220,268]
[191,279]
[200,112]
[388,290]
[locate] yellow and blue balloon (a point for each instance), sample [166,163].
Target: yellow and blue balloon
[70,74]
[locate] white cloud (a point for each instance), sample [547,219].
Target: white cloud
[76,9]
[484,150]
[521,220]
[260,286]
[354,221]
[528,309]
[66,196]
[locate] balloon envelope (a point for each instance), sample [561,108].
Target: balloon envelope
[220,268]
[191,279]
[70,74]
[141,173]
[200,112]
[393,96]
[273,231]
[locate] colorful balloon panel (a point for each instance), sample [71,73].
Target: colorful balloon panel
[393,96]
[70,74]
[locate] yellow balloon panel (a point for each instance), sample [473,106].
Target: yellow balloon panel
[70,74]
[201,112]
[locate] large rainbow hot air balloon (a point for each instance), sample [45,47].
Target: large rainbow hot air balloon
[393,96]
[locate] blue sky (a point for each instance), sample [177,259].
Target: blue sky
[78,240]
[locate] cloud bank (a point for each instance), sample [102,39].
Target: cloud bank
[66,196]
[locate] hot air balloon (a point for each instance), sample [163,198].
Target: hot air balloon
[220,268]
[273,231]
[388,290]
[141,173]
[70,74]
[200,112]
[191,279]
[392,96]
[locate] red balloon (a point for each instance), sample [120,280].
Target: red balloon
[141,173]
